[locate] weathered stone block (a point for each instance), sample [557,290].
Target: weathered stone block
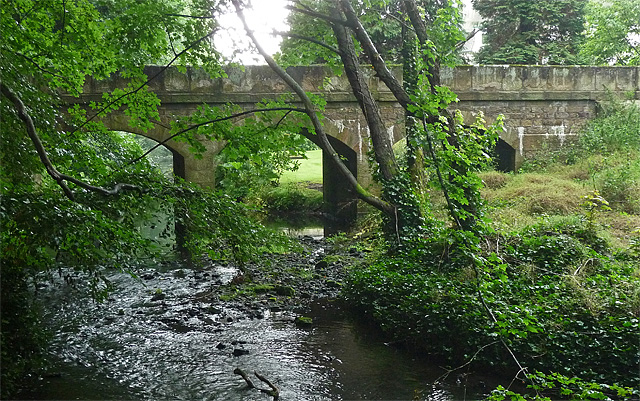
[201,82]
[175,81]
[512,79]
[584,78]
[561,79]
[461,78]
[534,78]
[487,78]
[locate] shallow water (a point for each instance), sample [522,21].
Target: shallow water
[139,346]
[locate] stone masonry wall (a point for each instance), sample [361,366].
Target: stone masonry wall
[541,104]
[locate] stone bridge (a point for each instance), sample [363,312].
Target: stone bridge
[541,104]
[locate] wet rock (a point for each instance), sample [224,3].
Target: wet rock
[109,319]
[193,312]
[214,310]
[284,290]
[240,352]
[158,296]
[303,321]
[334,284]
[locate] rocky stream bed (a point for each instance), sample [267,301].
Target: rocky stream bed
[178,332]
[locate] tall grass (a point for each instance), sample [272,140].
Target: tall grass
[606,158]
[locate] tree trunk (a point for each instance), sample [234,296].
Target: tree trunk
[382,146]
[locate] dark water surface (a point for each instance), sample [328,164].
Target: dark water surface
[139,346]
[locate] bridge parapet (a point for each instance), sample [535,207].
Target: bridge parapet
[550,83]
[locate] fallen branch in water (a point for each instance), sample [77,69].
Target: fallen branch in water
[274,391]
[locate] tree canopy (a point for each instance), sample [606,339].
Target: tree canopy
[309,39]
[71,195]
[531,32]
[612,32]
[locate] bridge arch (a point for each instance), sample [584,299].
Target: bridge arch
[541,104]
[200,171]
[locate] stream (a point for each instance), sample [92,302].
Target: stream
[158,337]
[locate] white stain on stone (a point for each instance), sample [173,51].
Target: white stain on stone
[339,124]
[558,130]
[521,140]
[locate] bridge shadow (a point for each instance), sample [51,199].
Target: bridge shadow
[504,156]
[339,198]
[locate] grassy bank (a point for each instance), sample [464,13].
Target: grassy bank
[297,192]
[310,169]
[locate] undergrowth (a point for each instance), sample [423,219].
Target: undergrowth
[562,302]
[555,286]
[288,198]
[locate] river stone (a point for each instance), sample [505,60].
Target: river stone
[240,352]
[158,297]
[284,290]
[303,321]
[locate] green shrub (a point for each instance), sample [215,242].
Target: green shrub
[559,302]
[617,128]
[289,198]
[620,184]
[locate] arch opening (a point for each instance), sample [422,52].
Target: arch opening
[340,200]
[504,156]
[165,158]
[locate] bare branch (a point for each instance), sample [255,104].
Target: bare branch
[449,371]
[44,158]
[315,14]
[308,39]
[191,16]
[274,391]
[468,38]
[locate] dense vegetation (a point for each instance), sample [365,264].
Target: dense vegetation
[72,195]
[559,32]
[556,285]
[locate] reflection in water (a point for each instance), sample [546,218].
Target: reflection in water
[141,346]
[297,226]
